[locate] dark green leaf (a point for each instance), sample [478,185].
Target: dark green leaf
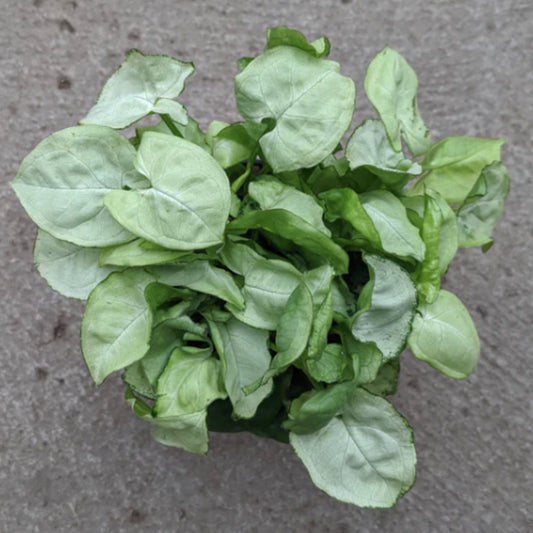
[283,36]
[297,230]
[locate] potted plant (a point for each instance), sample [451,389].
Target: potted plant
[262,276]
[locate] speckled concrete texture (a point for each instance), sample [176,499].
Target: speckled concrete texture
[74,459]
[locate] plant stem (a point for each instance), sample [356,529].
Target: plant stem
[170,125]
[239,182]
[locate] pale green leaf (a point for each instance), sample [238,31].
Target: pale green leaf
[344,302]
[293,331]
[139,87]
[321,326]
[365,455]
[386,381]
[445,336]
[481,210]
[370,147]
[142,375]
[69,269]
[391,85]
[202,277]
[386,318]
[173,109]
[454,165]
[268,284]
[187,431]
[328,365]
[190,132]
[134,253]
[116,326]
[190,381]
[188,204]
[245,358]
[63,181]
[301,93]
[397,235]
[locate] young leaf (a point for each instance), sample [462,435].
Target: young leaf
[245,358]
[187,431]
[302,94]
[202,277]
[370,147]
[138,406]
[314,409]
[321,326]
[445,336]
[236,143]
[391,85]
[481,210]
[454,165]
[396,233]
[292,333]
[318,281]
[116,327]
[270,193]
[377,465]
[76,168]
[386,381]
[188,204]
[296,229]
[385,316]
[428,275]
[366,358]
[344,302]
[345,204]
[329,365]
[448,236]
[142,375]
[139,87]
[190,382]
[190,132]
[69,269]
[283,36]
[132,254]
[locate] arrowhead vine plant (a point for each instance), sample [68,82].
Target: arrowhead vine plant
[263,277]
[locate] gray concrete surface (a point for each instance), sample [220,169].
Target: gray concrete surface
[74,459]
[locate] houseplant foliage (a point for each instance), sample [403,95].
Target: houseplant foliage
[261,276]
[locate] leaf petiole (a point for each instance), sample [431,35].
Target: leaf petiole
[239,182]
[170,125]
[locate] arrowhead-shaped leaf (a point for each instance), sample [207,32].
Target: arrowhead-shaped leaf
[302,94]
[188,204]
